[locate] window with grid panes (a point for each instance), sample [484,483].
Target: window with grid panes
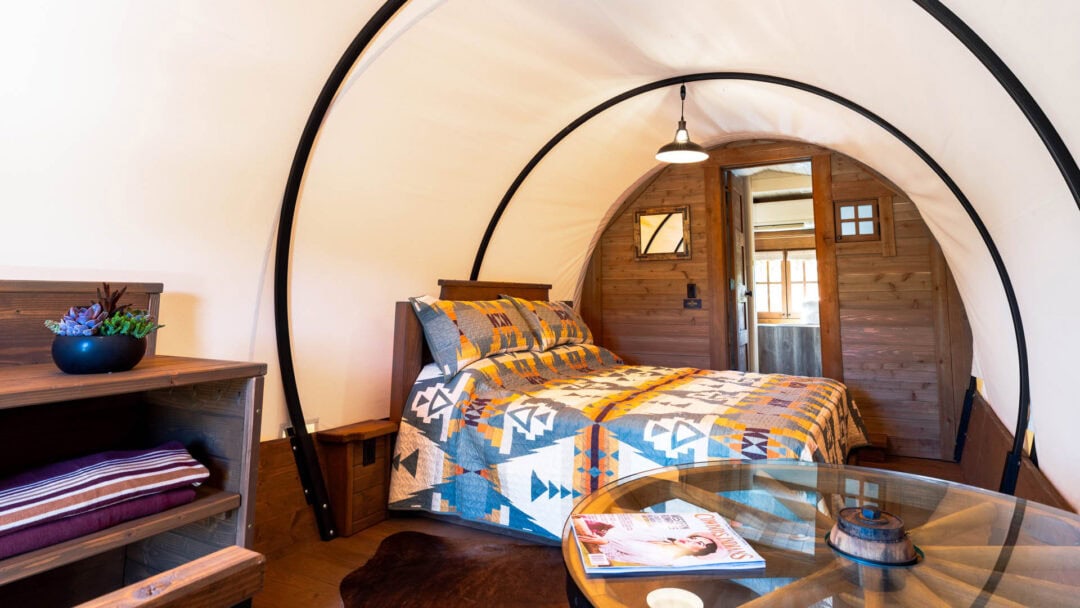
[769,284]
[857,221]
[785,284]
[802,281]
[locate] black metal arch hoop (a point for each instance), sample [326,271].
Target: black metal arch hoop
[1009,476]
[307,461]
[1012,85]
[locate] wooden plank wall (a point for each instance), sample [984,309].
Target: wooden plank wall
[26,305]
[784,239]
[904,343]
[888,326]
[641,316]
[282,516]
[983,460]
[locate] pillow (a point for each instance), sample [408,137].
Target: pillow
[460,332]
[92,482]
[553,323]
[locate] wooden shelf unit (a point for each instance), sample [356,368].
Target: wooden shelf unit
[212,407]
[174,558]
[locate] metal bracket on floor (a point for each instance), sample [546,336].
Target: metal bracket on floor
[303,449]
[965,420]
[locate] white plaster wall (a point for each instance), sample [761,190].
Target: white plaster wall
[151,141]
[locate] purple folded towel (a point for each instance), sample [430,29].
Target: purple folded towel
[89,483]
[60,530]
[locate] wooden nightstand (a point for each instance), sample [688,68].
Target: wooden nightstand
[357,461]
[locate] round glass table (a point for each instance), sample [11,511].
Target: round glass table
[974,547]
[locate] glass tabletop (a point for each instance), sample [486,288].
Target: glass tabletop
[976,548]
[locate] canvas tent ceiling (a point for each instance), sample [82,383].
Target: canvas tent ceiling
[453,99]
[556,60]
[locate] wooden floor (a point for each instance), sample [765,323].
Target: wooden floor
[307,574]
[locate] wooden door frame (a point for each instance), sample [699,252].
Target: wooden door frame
[721,159]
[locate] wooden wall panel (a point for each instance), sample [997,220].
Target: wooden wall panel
[784,239]
[898,329]
[983,461]
[26,305]
[641,313]
[890,326]
[282,516]
[591,305]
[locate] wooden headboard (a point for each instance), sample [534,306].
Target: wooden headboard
[26,305]
[410,349]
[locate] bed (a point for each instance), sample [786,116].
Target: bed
[529,419]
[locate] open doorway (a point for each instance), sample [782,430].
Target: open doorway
[785,328]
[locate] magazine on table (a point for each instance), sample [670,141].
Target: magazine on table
[626,543]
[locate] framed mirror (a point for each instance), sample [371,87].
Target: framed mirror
[662,233]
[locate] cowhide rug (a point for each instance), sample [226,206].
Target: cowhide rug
[417,569]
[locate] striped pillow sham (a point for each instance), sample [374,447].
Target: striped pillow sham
[460,332]
[92,482]
[553,323]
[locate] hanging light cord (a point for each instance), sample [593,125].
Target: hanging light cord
[682,103]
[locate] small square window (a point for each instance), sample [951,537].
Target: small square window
[857,221]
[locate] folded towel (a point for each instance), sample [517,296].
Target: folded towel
[92,482]
[36,537]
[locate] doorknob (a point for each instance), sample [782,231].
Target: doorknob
[749,293]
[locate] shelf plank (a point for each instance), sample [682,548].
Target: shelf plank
[22,385]
[209,503]
[223,578]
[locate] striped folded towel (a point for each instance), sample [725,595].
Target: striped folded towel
[92,482]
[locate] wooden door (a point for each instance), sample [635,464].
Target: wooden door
[738,196]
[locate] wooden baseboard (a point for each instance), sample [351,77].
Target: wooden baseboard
[357,489]
[987,445]
[282,516]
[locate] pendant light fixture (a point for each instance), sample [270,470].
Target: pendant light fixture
[682,150]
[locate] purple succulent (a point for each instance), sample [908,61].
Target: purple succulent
[82,321]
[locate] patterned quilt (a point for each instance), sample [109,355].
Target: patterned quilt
[514,440]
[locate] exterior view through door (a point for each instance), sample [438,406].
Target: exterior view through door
[773,239]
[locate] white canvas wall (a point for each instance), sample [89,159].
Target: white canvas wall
[151,141]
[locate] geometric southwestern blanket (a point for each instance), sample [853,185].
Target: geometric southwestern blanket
[516,439]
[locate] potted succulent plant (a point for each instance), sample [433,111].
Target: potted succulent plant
[103,337]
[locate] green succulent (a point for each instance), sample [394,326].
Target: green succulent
[134,323]
[105,317]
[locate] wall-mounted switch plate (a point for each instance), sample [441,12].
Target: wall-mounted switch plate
[312,425]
